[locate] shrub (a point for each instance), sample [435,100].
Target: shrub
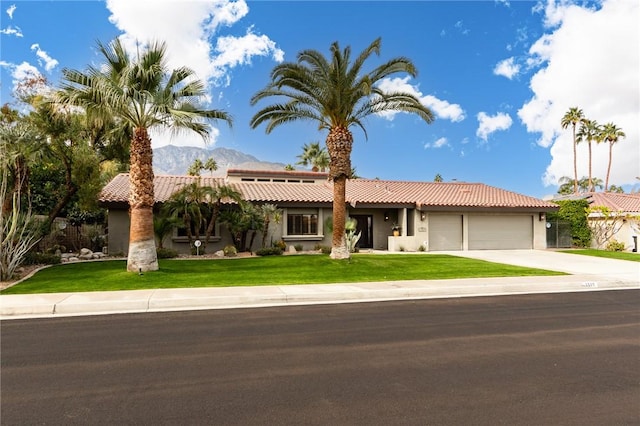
[421,247]
[197,251]
[166,253]
[269,251]
[574,212]
[615,246]
[322,249]
[298,247]
[280,244]
[37,258]
[230,251]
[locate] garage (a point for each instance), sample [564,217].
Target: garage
[445,232]
[503,232]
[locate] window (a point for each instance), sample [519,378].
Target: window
[302,224]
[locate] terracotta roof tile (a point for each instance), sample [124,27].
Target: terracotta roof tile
[629,203]
[359,191]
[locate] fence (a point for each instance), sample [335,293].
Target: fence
[559,234]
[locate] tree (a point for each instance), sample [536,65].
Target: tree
[572,118]
[335,93]
[589,131]
[438,178]
[140,93]
[163,225]
[214,197]
[605,223]
[617,189]
[195,167]
[612,134]
[210,165]
[19,232]
[188,204]
[314,156]
[269,213]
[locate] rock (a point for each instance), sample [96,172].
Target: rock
[219,253]
[292,249]
[73,259]
[85,251]
[88,256]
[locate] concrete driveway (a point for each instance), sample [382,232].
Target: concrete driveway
[597,268]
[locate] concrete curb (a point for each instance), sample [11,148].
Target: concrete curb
[140,301]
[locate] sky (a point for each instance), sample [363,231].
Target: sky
[497,74]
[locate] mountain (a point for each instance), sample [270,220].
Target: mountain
[175,160]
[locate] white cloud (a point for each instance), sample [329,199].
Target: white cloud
[507,68]
[44,59]
[16,31]
[607,89]
[190,38]
[437,144]
[10,10]
[161,137]
[233,51]
[440,108]
[490,124]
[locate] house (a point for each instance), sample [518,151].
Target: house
[434,215]
[624,219]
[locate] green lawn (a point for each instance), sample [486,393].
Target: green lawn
[257,271]
[622,255]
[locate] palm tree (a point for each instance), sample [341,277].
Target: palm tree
[612,134]
[214,196]
[335,93]
[589,131]
[195,167]
[270,212]
[140,93]
[210,165]
[313,155]
[572,118]
[438,178]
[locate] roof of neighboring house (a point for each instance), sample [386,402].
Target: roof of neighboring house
[628,203]
[359,191]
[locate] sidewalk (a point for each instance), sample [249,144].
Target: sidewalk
[589,274]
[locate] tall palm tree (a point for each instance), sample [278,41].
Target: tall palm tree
[335,93]
[140,93]
[572,118]
[589,131]
[612,134]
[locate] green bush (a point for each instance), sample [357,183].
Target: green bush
[574,212]
[37,258]
[421,247]
[298,247]
[281,245]
[166,253]
[615,246]
[323,249]
[269,251]
[230,251]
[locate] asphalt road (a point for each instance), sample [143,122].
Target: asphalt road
[556,359]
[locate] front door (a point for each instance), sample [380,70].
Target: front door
[365,226]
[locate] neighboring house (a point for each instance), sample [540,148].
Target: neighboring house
[434,215]
[626,207]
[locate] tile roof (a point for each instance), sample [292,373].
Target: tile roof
[629,203]
[359,191]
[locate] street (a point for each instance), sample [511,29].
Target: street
[570,359]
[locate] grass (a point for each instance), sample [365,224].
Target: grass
[259,271]
[621,255]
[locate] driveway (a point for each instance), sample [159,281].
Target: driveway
[589,266]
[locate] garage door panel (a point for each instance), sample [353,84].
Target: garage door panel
[500,232]
[445,232]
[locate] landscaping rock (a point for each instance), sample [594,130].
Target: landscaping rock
[219,253]
[292,249]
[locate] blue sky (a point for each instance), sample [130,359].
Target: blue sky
[498,75]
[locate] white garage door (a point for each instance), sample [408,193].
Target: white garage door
[500,232]
[445,232]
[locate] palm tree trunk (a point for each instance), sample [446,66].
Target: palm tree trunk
[338,243]
[575,162]
[142,247]
[339,144]
[590,179]
[606,182]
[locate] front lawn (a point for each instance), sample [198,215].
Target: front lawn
[621,255]
[258,271]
